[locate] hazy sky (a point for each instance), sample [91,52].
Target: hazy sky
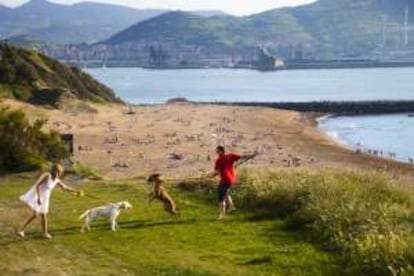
[238,7]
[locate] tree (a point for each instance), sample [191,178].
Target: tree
[7,72]
[25,146]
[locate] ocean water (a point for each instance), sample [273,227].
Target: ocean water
[139,86]
[389,134]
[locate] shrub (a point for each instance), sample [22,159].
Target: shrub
[360,214]
[85,171]
[7,73]
[20,92]
[24,146]
[25,72]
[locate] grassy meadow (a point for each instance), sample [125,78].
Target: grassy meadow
[287,223]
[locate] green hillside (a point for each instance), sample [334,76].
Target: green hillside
[349,28]
[181,29]
[56,23]
[288,223]
[28,76]
[84,22]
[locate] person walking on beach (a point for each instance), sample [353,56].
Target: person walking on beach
[38,198]
[224,167]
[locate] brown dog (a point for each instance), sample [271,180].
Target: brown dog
[160,193]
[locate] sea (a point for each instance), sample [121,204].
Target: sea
[387,136]
[391,135]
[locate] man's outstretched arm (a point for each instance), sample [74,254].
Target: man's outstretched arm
[249,156]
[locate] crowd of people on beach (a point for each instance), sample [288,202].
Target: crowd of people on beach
[126,150]
[380,153]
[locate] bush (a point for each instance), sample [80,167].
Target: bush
[24,146]
[19,92]
[25,72]
[85,171]
[7,73]
[359,214]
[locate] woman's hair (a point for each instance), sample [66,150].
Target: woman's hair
[56,170]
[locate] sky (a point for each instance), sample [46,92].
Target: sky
[236,7]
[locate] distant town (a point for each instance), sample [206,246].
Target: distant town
[390,45]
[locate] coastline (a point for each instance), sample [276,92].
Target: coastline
[336,108]
[338,140]
[361,146]
[178,140]
[290,65]
[325,110]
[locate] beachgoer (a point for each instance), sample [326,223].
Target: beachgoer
[38,198]
[224,167]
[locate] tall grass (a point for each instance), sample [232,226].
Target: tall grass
[361,215]
[85,171]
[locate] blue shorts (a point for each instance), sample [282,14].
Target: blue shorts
[222,191]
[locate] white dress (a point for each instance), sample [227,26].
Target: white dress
[45,190]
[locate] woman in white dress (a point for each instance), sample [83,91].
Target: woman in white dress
[38,198]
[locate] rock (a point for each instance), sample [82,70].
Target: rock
[55,97]
[178,100]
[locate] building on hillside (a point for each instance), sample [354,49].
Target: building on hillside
[268,62]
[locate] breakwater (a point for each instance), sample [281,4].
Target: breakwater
[336,107]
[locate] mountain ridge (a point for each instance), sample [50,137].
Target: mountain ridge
[63,24]
[87,22]
[325,29]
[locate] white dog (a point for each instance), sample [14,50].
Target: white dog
[110,211]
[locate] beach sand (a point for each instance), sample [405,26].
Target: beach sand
[179,140]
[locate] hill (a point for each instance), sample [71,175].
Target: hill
[208,13]
[183,29]
[350,28]
[26,41]
[85,22]
[288,223]
[56,23]
[29,76]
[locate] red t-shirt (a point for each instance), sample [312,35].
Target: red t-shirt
[224,165]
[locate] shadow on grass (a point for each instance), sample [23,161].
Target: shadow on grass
[12,238]
[259,261]
[137,225]
[133,224]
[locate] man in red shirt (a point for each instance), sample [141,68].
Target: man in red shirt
[224,167]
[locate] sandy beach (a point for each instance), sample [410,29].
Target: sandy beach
[179,140]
